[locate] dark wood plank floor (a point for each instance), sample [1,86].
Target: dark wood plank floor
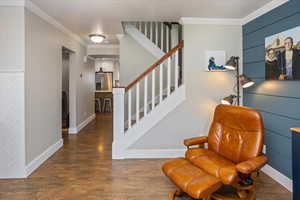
[83,170]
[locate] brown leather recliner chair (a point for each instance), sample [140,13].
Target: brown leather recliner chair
[233,157]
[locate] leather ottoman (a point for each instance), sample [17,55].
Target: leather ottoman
[191,179]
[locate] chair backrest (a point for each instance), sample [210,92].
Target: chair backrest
[236,133]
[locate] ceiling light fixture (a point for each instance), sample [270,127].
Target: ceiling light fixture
[97,38]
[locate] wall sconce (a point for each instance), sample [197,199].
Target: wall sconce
[233,64]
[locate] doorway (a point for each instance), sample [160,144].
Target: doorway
[65,115]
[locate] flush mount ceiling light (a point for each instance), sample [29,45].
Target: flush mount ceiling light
[97,38]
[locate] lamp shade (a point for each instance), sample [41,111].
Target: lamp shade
[97,38]
[245,81]
[228,100]
[231,64]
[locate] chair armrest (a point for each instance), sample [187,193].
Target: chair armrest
[195,141]
[252,165]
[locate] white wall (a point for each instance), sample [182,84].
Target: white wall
[12,131]
[103,50]
[204,90]
[134,59]
[43,83]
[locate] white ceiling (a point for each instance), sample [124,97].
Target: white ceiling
[84,17]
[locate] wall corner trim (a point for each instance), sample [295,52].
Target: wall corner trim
[278,177]
[263,10]
[210,21]
[39,160]
[82,124]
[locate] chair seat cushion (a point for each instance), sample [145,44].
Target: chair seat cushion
[191,179]
[213,164]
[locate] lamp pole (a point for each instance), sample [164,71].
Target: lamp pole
[238,79]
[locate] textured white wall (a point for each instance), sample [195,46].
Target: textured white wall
[12,128]
[204,90]
[43,83]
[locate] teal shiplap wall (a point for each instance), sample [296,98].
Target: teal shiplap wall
[278,101]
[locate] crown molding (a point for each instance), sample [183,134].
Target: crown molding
[263,10]
[42,14]
[20,3]
[39,12]
[210,21]
[234,21]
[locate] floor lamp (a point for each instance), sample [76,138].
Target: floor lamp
[233,65]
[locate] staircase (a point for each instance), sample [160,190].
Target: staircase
[142,104]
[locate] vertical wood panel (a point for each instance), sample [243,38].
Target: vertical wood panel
[278,100]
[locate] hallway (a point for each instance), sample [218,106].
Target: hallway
[83,170]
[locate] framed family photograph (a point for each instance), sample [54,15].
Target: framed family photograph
[283,55]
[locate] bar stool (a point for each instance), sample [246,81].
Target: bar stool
[98,105]
[107,104]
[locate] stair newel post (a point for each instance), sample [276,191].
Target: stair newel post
[118,113]
[137,102]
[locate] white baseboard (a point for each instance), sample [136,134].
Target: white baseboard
[82,125]
[38,161]
[151,153]
[278,177]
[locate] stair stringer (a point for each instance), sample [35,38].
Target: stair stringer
[144,41]
[120,148]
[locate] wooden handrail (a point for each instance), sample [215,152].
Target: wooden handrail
[155,65]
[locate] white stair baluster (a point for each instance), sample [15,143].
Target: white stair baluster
[167,39]
[153,89]
[162,36]
[146,29]
[129,109]
[156,33]
[146,96]
[137,102]
[176,70]
[161,67]
[169,77]
[151,31]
